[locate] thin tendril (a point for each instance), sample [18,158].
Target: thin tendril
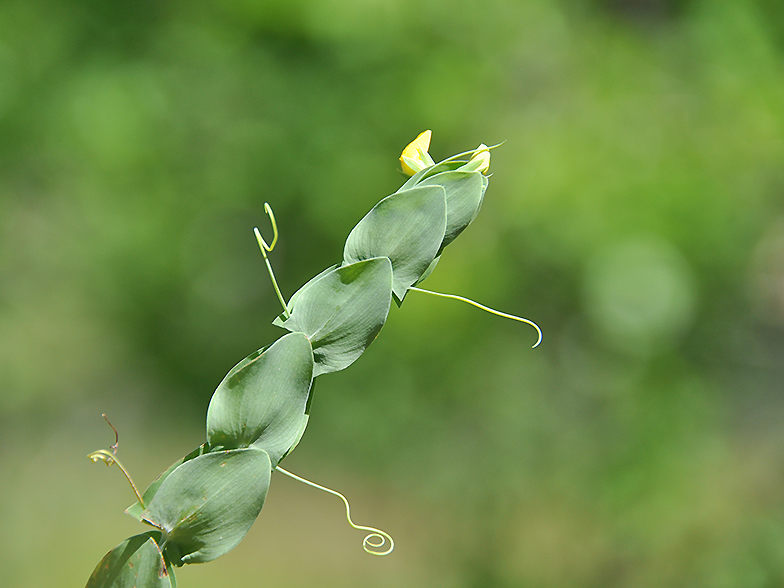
[376,539]
[116,434]
[487,309]
[111,458]
[471,152]
[265,248]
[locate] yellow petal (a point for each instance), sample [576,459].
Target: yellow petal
[415,156]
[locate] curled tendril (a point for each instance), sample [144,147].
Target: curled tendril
[374,541]
[262,242]
[487,309]
[110,458]
[268,248]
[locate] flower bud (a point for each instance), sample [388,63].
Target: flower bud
[415,157]
[480,160]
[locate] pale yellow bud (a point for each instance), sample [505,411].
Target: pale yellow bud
[415,157]
[480,160]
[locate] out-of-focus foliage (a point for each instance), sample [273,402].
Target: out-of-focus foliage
[639,197]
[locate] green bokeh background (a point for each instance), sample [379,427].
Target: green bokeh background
[636,212]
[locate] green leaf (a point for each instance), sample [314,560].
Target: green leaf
[436,169]
[464,194]
[208,504]
[408,228]
[137,562]
[293,301]
[136,510]
[428,271]
[261,402]
[342,311]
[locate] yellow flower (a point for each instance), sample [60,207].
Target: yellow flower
[415,157]
[480,160]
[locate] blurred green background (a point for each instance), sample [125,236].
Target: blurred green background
[636,212]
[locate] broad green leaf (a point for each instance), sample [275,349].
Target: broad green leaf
[408,228]
[304,424]
[137,562]
[297,436]
[208,504]
[263,402]
[298,293]
[464,194]
[136,510]
[342,312]
[429,270]
[281,318]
